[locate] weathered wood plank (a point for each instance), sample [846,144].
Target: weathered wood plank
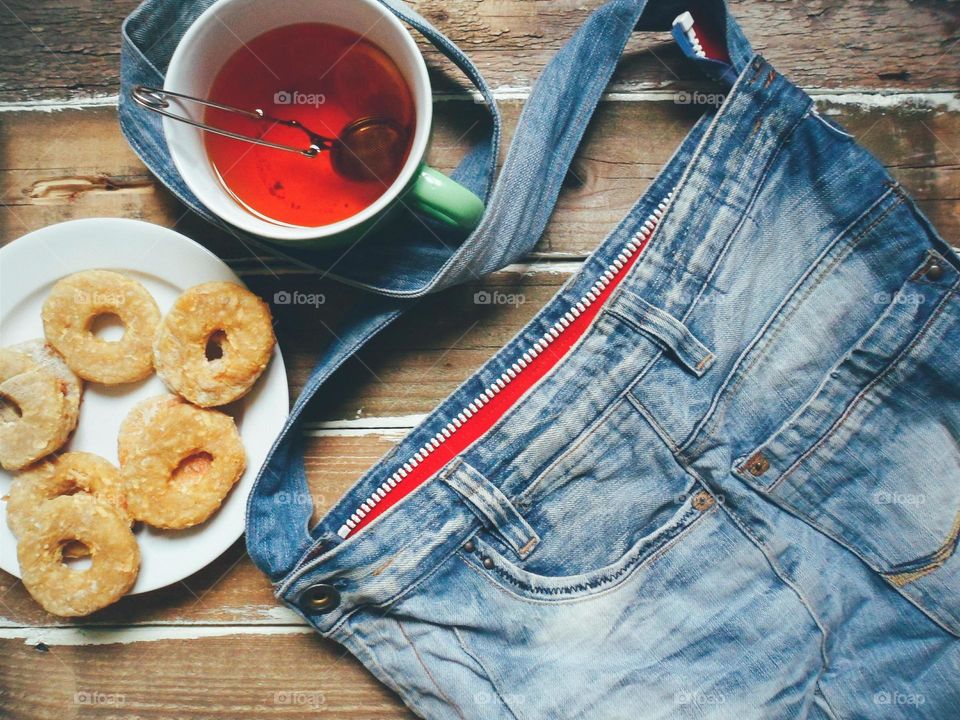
[75,163]
[70,48]
[230,676]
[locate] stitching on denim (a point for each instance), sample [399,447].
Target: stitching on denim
[683,181]
[933,615]
[916,342]
[683,346]
[828,706]
[795,417]
[426,670]
[385,605]
[585,435]
[774,155]
[782,315]
[725,249]
[507,527]
[931,562]
[486,671]
[780,573]
[653,422]
[706,140]
[777,321]
[645,558]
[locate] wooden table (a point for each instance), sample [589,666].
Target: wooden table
[218,644]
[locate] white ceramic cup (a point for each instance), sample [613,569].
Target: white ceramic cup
[221,30]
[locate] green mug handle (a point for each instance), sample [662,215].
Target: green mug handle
[438,197]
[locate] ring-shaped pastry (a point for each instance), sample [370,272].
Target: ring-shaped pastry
[35,418]
[114,556]
[177,461]
[232,318]
[73,305]
[68,474]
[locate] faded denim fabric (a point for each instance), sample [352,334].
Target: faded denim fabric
[770,534]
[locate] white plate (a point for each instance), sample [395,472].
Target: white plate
[167,263]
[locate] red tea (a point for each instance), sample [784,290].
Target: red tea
[325,77]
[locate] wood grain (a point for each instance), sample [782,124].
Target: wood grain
[219,644]
[418,361]
[234,676]
[75,163]
[70,48]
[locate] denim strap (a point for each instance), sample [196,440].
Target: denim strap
[411,260]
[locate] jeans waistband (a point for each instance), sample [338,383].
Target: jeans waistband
[713,177]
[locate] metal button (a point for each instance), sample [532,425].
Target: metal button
[758,465]
[320,598]
[934,271]
[487,563]
[702,501]
[469,546]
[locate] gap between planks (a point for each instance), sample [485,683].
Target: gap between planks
[560,264]
[60,636]
[864,98]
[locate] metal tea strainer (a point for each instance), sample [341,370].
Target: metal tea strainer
[368,148]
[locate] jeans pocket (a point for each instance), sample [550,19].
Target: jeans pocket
[872,458]
[517,579]
[613,499]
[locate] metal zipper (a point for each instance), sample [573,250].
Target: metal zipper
[516,368]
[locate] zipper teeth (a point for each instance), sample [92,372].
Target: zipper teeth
[695,42]
[512,372]
[686,24]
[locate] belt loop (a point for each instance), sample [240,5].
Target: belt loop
[492,507]
[664,328]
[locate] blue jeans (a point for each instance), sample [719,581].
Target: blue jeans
[737,496]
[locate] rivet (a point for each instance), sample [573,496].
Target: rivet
[934,271]
[758,464]
[321,598]
[703,501]
[469,546]
[487,563]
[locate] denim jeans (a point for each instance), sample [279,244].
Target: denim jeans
[736,495]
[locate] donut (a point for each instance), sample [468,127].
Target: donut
[70,310]
[223,313]
[114,554]
[69,474]
[177,461]
[49,359]
[35,417]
